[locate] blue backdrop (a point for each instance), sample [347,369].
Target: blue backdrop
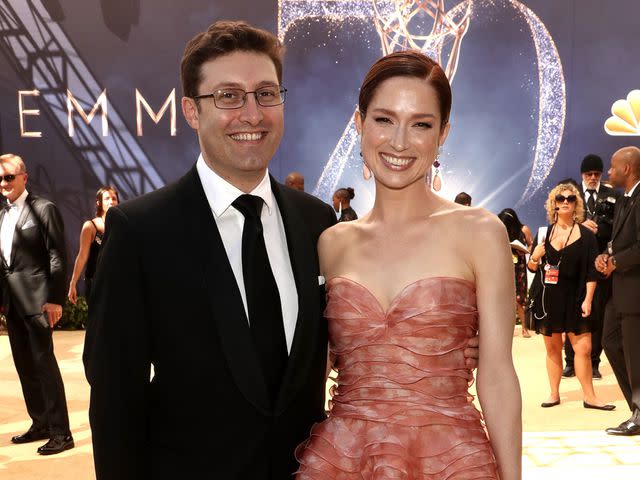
[535,82]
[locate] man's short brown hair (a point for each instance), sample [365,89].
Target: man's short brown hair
[222,38]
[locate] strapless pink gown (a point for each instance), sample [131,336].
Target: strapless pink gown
[401,409]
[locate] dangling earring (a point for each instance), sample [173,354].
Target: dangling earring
[366,173]
[340,210]
[437,182]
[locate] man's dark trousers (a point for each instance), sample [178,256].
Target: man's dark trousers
[32,348]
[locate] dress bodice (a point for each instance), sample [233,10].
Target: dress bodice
[410,355]
[401,407]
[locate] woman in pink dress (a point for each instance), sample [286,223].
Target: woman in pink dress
[407,285]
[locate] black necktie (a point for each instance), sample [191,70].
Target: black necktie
[591,202]
[263,299]
[623,203]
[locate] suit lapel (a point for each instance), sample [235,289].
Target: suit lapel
[227,308]
[3,262]
[304,265]
[620,218]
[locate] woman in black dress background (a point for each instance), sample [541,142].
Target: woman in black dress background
[516,233]
[90,243]
[565,271]
[342,204]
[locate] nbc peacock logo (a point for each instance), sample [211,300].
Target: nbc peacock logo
[626,116]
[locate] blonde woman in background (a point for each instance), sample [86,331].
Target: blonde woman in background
[563,263]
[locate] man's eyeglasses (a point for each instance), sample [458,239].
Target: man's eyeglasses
[230,98]
[562,198]
[10,177]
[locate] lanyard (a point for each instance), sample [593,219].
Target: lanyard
[565,243]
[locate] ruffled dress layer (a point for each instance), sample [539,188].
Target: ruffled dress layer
[401,408]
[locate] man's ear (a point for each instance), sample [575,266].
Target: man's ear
[191,112]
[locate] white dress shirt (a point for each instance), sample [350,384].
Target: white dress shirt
[230,221]
[8,227]
[633,189]
[588,194]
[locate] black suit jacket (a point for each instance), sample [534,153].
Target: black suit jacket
[37,273]
[626,250]
[605,225]
[165,294]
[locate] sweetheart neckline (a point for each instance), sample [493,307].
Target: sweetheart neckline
[402,290]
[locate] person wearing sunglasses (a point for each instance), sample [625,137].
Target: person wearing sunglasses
[564,284]
[33,277]
[600,201]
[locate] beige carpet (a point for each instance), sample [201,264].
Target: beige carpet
[560,441]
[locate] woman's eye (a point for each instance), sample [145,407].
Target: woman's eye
[382,120]
[423,125]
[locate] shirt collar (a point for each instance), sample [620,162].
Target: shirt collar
[21,200]
[585,188]
[633,189]
[221,194]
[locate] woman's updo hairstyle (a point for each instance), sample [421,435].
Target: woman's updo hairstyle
[346,194]
[409,63]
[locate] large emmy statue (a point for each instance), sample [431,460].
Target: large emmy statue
[393,28]
[401,25]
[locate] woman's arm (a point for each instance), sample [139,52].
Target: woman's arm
[591,274]
[327,243]
[497,383]
[527,235]
[87,234]
[588,299]
[536,255]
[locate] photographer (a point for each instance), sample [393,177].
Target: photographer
[599,201]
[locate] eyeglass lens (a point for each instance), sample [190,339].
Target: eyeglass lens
[234,98]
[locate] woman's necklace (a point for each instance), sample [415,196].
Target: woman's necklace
[560,237]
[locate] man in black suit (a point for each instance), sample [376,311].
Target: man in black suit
[239,352]
[33,279]
[215,281]
[599,201]
[621,260]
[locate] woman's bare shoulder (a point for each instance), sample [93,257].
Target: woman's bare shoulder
[475,220]
[335,243]
[89,226]
[339,233]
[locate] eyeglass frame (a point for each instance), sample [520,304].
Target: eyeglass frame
[282,90]
[569,198]
[12,175]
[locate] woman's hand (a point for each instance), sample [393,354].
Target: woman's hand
[586,308]
[538,252]
[73,294]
